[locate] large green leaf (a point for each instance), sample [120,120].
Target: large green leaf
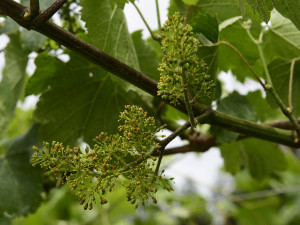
[263,158]
[44,73]
[282,39]
[12,83]
[280,73]
[262,7]
[228,59]
[81,100]
[148,59]
[20,183]
[289,9]
[236,105]
[107,30]
[224,9]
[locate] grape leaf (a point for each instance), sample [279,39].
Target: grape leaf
[81,101]
[282,39]
[263,111]
[232,156]
[262,7]
[280,74]
[262,158]
[8,26]
[289,9]
[236,105]
[44,73]
[177,6]
[148,60]
[229,60]
[12,83]
[224,9]
[205,27]
[107,30]
[32,40]
[20,183]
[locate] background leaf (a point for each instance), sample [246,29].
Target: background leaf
[262,158]
[263,161]
[20,183]
[148,59]
[11,86]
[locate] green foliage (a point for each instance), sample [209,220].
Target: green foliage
[76,99]
[181,69]
[11,85]
[280,72]
[113,158]
[245,153]
[20,183]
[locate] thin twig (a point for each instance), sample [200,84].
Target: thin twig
[245,61]
[48,13]
[155,37]
[34,8]
[167,140]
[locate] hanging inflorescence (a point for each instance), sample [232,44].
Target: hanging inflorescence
[180,62]
[125,158]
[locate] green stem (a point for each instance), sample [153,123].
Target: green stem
[245,61]
[286,111]
[291,83]
[155,37]
[187,102]
[158,15]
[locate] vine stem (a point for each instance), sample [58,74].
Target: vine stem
[245,61]
[162,145]
[269,87]
[155,37]
[158,15]
[34,7]
[291,83]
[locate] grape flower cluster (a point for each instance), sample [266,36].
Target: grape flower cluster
[180,48]
[124,158]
